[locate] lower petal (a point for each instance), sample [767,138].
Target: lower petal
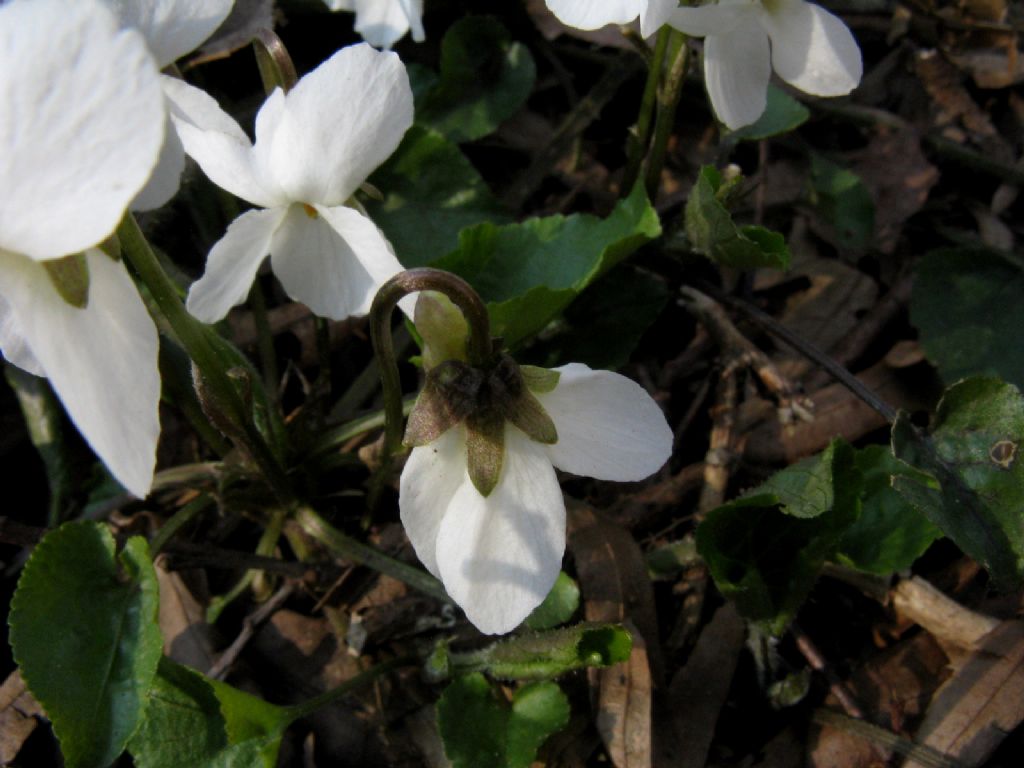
[594,14]
[813,50]
[101,360]
[608,426]
[232,264]
[737,68]
[12,342]
[166,178]
[333,260]
[499,556]
[430,479]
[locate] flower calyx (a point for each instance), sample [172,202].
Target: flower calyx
[483,399]
[70,277]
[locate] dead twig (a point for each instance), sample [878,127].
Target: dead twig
[251,623]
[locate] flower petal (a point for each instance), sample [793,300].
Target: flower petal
[12,341]
[382,23]
[101,360]
[498,556]
[813,50]
[703,20]
[608,426]
[81,125]
[172,28]
[340,122]
[219,145]
[432,475]
[594,14]
[737,68]
[332,261]
[232,264]
[166,178]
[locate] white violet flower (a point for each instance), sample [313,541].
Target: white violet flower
[79,136]
[383,23]
[807,46]
[479,497]
[314,146]
[172,28]
[594,14]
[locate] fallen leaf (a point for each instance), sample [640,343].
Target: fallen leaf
[19,713]
[183,623]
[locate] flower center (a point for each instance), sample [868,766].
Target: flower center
[310,211]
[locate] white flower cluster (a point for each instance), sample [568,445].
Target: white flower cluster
[90,128]
[744,40]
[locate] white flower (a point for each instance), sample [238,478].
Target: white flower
[499,555]
[172,28]
[314,146]
[594,14]
[384,22]
[80,132]
[807,46]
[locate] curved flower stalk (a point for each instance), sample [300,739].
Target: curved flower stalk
[478,496]
[807,46]
[382,23]
[594,14]
[172,28]
[79,138]
[314,146]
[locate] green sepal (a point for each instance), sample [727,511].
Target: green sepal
[111,247]
[485,449]
[443,328]
[529,415]
[539,380]
[70,276]
[449,395]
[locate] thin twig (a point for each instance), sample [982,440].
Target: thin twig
[249,626]
[819,664]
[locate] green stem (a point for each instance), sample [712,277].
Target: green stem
[642,137]
[341,434]
[178,520]
[668,100]
[264,340]
[194,337]
[274,62]
[350,549]
[317,703]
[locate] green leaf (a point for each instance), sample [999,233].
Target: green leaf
[603,326]
[84,632]
[479,729]
[203,723]
[543,655]
[485,78]
[765,550]
[558,607]
[890,534]
[843,202]
[973,453]
[966,303]
[783,114]
[712,232]
[431,192]
[529,272]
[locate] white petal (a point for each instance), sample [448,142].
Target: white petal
[717,19]
[172,28]
[12,339]
[498,556]
[340,5]
[432,475]
[101,360]
[218,144]
[340,122]
[414,12]
[594,14]
[382,23]
[737,68]
[232,264]
[608,426]
[325,260]
[166,178]
[813,50]
[80,128]
[655,15]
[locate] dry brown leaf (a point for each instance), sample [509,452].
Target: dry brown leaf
[182,622]
[982,703]
[18,716]
[699,689]
[616,588]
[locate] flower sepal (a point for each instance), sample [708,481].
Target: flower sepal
[70,277]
